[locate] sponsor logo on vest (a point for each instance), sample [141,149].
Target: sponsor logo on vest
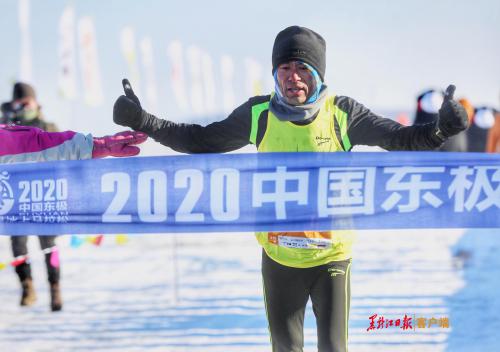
[334,272]
[298,240]
[322,140]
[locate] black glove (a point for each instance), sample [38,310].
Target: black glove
[452,116]
[127,110]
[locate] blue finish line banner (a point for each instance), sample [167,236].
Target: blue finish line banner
[252,192]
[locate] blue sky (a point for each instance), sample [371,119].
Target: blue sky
[382,53]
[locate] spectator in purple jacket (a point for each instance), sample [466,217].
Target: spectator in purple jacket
[25,144]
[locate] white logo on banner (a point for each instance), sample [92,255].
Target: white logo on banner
[459,186]
[346,191]
[416,188]
[480,186]
[6,194]
[281,195]
[43,201]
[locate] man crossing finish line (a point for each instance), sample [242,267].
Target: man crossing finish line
[300,115]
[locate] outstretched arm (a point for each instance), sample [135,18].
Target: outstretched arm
[367,128]
[23,144]
[229,134]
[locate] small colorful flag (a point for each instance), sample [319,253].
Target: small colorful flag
[76,241]
[3,266]
[97,240]
[121,239]
[89,61]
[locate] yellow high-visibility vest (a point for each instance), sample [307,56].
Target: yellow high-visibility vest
[327,133]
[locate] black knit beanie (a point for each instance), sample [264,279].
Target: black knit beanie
[22,90]
[300,43]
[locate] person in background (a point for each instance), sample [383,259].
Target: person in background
[301,115]
[428,105]
[24,110]
[477,134]
[493,139]
[30,144]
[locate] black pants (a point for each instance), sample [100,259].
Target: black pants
[19,247]
[286,292]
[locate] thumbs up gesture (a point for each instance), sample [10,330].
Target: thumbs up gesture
[127,110]
[452,116]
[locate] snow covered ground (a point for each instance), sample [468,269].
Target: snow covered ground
[203,293]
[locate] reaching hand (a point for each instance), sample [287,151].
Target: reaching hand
[127,110]
[120,144]
[452,116]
